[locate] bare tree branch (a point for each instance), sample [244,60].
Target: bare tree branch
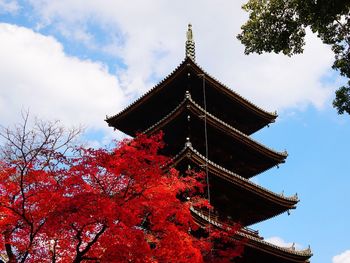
[41,145]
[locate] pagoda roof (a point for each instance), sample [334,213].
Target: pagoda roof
[256,248]
[223,141]
[222,101]
[235,196]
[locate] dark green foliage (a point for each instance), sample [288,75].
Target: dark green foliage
[272,27]
[342,100]
[279,26]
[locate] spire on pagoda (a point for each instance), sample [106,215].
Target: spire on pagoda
[190,46]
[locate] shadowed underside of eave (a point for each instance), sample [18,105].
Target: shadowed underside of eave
[233,196]
[227,146]
[221,101]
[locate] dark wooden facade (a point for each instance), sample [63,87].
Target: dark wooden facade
[179,108]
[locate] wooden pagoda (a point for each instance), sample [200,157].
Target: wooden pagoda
[206,124]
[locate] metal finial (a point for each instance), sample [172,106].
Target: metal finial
[190,46]
[189,33]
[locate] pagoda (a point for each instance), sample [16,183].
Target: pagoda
[207,126]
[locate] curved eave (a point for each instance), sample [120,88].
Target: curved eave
[149,93]
[281,203]
[269,117]
[190,153]
[256,242]
[189,104]
[282,252]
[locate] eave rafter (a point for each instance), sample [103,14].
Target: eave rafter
[192,106]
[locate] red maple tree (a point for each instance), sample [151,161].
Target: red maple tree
[118,205]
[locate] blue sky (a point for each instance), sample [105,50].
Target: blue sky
[79,61]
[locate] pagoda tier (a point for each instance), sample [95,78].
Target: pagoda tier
[256,248]
[228,146]
[233,196]
[163,98]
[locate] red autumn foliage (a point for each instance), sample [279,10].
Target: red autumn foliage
[117,205]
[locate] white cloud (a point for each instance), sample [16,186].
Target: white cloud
[149,37]
[36,74]
[342,258]
[8,6]
[280,242]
